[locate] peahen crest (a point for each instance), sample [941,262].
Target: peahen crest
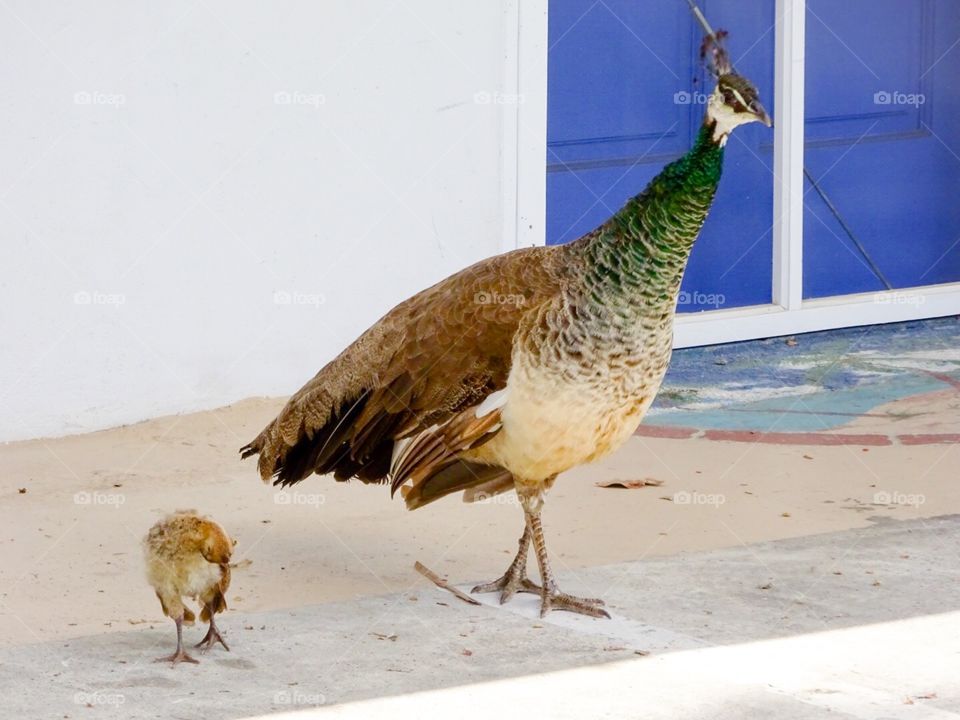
[713,53]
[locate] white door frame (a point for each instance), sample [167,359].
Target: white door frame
[524,202]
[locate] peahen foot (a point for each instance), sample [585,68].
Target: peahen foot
[553,599]
[550,596]
[509,584]
[515,579]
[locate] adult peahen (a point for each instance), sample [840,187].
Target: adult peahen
[520,367]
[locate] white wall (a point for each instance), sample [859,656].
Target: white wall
[156,193]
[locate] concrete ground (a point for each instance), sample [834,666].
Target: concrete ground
[796,555]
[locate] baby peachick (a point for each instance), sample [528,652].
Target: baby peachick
[188,555]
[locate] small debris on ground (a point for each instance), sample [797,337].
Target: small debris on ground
[629,484]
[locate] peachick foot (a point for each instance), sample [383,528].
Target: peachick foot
[211,638]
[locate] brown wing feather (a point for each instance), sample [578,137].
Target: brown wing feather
[439,352]
[439,446]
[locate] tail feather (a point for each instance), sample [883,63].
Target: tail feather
[460,475]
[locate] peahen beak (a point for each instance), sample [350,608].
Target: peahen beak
[762,116]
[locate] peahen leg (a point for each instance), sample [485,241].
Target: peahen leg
[515,578]
[551,597]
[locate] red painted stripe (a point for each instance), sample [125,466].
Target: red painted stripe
[798,438]
[930,439]
[802,438]
[665,431]
[943,377]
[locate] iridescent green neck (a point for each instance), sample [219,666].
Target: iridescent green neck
[641,252]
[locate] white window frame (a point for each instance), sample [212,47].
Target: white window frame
[525,187]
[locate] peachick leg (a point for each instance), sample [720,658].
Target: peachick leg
[212,637]
[180,655]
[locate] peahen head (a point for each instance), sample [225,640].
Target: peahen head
[734,102]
